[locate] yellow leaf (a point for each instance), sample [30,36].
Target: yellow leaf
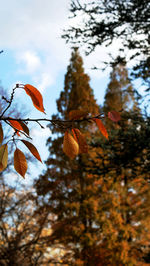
[70,146]
[32,149]
[20,162]
[36,97]
[3,157]
[77,114]
[101,127]
[1,134]
[80,139]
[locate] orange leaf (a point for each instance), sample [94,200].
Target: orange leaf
[80,139]
[114,116]
[20,162]
[16,125]
[32,149]
[70,146]
[36,97]
[1,134]
[101,127]
[77,114]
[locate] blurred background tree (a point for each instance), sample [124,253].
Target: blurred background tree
[94,198]
[120,94]
[66,185]
[22,229]
[124,173]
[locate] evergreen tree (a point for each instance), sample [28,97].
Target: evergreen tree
[66,187]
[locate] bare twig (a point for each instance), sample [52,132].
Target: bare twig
[9,102]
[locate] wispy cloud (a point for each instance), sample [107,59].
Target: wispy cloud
[29,60]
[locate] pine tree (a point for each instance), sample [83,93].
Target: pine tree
[66,187]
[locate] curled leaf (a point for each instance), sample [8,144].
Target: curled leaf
[80,139]
[114,116]
[1,134]
[101,127]
[3,157]
[20,162]
[32,149]
[70,146]
[36,97]
[77,114]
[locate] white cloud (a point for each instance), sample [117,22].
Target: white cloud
[29,60]
[46,81]
[43,70]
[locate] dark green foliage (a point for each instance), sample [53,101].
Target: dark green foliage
[104,22]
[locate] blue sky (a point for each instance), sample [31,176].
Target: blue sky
[34,53]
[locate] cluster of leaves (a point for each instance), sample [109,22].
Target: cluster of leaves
[74,141]
[20,127]
[72,145]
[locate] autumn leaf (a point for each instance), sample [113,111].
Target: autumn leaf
[20,162]
[3,157]
[36,97]
[32,149]
[101,127]
[114,116]
[24,127]
[1,134]
[19,125]
[70,146]
[16,125]
[77,114]
[80,139]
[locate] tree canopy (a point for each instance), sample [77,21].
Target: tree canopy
[123,23]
